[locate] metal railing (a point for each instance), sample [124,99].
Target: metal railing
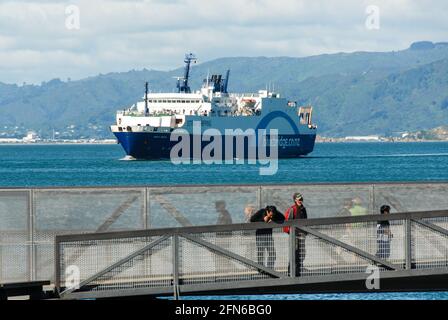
[218,257]
[30,218]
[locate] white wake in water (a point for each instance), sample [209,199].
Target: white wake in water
[409,155]
[127,158]
[406,155]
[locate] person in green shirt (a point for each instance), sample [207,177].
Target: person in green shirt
[358,232]
[357,209]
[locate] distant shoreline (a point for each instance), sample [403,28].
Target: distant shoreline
[397,141]
[57,143]
[115,142]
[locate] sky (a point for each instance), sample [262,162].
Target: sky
[45,39]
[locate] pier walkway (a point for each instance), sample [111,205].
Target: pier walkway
[117,222]
[222,259]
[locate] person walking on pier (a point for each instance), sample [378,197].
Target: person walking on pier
[383,235]
[223,239]
[297,211]
[249,241]
[264,239]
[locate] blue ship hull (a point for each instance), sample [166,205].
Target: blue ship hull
[153,146]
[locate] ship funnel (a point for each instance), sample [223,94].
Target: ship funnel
[218,83]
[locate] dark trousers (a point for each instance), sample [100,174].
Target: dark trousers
[265,243]
[383,249]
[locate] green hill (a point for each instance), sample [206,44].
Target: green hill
[353,93]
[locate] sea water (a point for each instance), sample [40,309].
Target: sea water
[99,165]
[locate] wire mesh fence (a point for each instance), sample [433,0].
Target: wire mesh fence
[430,248]
[31,218]
[217,254]
[201,263]
[151,268]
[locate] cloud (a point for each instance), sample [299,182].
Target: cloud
[118,35]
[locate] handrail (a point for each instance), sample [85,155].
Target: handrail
[305,225]
[268,185]
[250,226]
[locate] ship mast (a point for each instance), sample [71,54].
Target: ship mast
[226,82]
[146,100]
[184,86]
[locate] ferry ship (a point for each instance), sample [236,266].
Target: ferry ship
[145,128]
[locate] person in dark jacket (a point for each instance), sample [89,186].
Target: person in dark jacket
[383,235]
[297,211]
[264,239]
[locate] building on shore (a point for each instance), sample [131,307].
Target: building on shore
[10,140]
[31,137]
[363,138]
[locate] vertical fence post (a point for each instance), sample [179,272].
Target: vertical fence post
[148,208]
[176,266]
[372,199]
[260,200]
[145,209]
[57,265]
[1,262]
[371,211]
[292,251]
[31,237]
[408,244]
[147,264]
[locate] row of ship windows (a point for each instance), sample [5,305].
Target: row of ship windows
[146,128]
[173,101]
